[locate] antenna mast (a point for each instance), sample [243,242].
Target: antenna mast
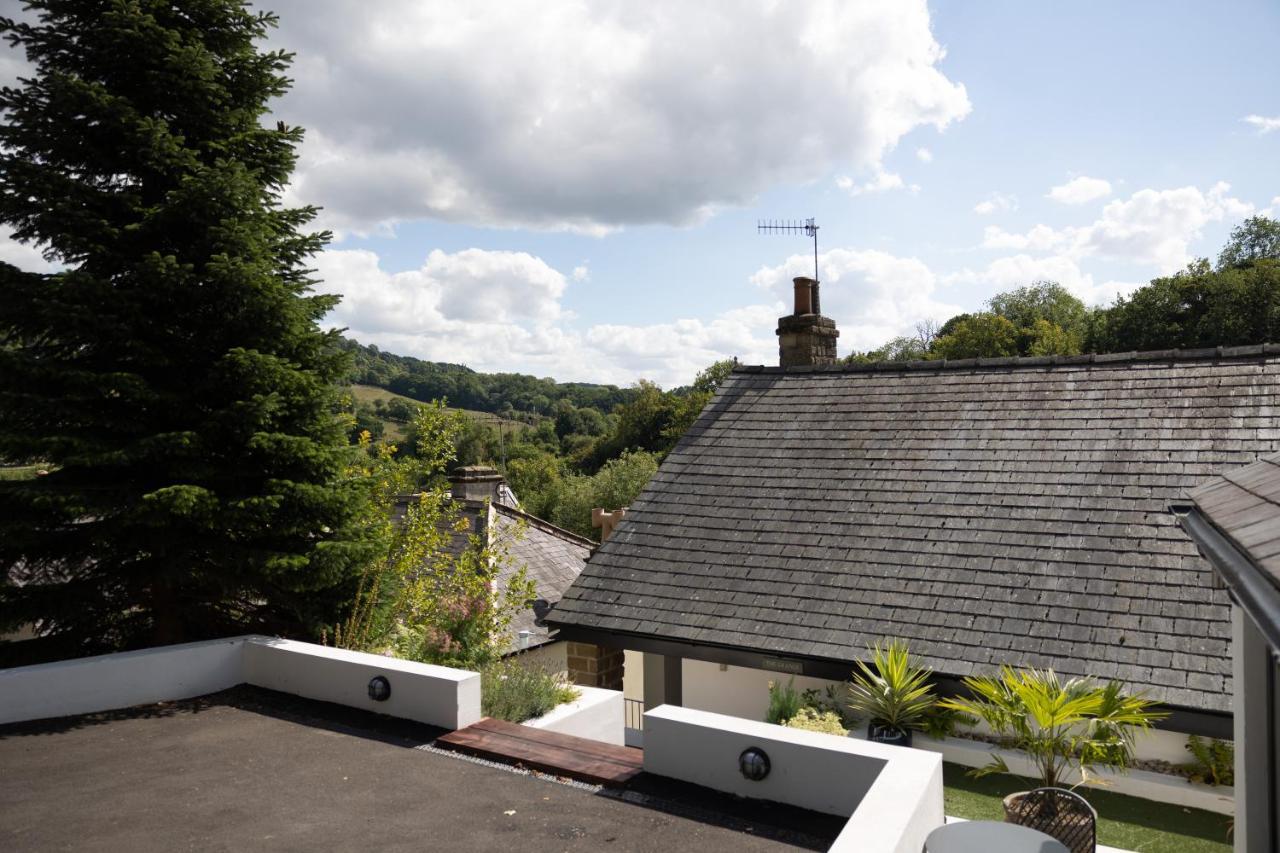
[808,228]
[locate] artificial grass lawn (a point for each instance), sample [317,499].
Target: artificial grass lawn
[1126,822]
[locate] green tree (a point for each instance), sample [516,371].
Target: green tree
[1197,307]
[615,485]
[1050,320]
[1257,238]
[982,335]
[897,349]
[173,373]
[421,598]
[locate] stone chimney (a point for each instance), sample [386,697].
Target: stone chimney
[475,483]
[806,337]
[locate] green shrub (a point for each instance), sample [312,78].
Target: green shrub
[785,702]
[1066,727]
[895,691]
[940,722]
[513,690]
[814,720]
[831,699]
[1214,761]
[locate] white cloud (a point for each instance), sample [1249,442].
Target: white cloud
[1264,124]
[1038,239]
[996,202]
[1158,226]
[872,295]
[924,155]
[496,310]
[1022,269]
[1151,227]
[881,181]
[1081,190]
[684,347]
[593,116]
[581,273]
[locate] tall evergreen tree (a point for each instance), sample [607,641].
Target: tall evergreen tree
[172,377]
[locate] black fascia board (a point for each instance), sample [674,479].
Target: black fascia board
[1197,721]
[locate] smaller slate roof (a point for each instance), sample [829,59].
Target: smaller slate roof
[551,557]
[1244,504]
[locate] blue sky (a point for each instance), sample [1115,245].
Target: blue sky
[571,190]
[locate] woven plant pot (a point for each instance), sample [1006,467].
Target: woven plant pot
[1057,812]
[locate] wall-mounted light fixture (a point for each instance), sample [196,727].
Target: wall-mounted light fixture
[754,763]
[379,688]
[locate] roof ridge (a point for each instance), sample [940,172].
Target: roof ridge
[1169,355]
[545,525]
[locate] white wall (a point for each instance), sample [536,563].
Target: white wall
[431,694]
[633,674]
[894,795]
[735,690]
[436,695]
[121,680]
[596,714]
[744,692]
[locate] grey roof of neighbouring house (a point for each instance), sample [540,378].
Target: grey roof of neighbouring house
[993,511]
[1244,504]
[551,557]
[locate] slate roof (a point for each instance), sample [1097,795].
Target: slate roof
[551,557]
[1244,504]
[987,511]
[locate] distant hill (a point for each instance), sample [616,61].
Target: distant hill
[396,429]
[508,395]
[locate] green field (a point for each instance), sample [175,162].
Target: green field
[1129,823]
[397,431]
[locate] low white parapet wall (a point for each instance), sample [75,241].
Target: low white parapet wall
[436,695]
[892,795]
[597,714]
[120,680]
[1160,787]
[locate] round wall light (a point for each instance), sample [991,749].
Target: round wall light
[754,763]
[379,688]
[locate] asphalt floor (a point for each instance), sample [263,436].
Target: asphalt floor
[253,770]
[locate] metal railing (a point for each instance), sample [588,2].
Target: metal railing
[634,711]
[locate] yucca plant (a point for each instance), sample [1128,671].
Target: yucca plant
[894,692]
[1066,728]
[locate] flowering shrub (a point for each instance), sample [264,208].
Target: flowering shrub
[813,720]
[513,690]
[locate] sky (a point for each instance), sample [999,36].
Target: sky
[571,189]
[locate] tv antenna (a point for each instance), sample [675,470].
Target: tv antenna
[808,228]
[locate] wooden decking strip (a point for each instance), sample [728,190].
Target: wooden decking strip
[548,752]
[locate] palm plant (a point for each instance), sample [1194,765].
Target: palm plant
[1064,727]
[894,692]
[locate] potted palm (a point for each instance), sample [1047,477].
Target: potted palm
[1067,729]
[893,692]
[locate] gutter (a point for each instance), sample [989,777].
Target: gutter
[1246,582]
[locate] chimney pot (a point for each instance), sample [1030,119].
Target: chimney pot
[806,337]
[804,295]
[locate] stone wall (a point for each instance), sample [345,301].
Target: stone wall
[595,666]
[806,339]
